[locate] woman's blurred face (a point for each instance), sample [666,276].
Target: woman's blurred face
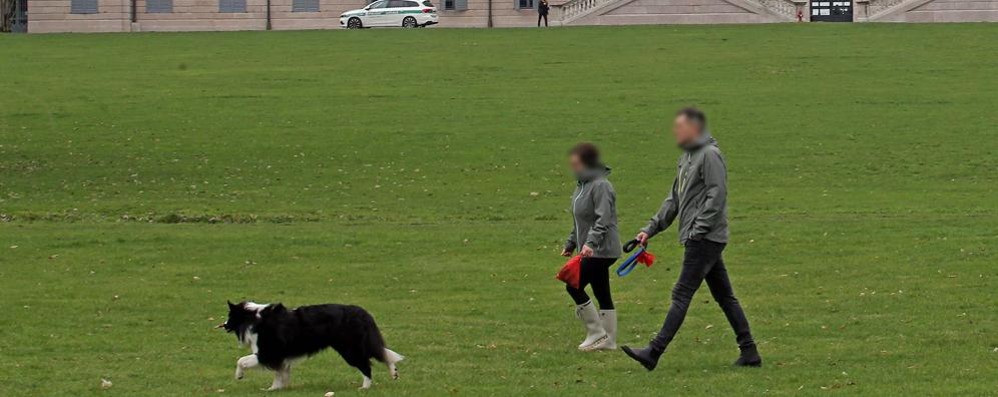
[575,163]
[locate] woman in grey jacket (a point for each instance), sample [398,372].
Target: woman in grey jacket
[594,234]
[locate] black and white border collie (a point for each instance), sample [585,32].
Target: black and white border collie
[278,337]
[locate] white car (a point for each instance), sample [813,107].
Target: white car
[394,13]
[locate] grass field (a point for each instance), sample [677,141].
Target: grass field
[147,178]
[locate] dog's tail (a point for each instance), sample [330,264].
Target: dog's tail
[392,357]
[376,343]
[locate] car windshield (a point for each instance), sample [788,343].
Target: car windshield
[378,4]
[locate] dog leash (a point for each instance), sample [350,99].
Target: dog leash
[632,261]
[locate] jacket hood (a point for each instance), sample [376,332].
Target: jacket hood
[590,174]
[705,139]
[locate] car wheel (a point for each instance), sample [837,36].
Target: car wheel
[354,23]
[409,22]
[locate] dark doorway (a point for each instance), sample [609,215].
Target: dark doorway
[831,10]
[20,23]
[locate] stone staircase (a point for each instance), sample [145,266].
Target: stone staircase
[576,9]
[881,9]
[784,9]
[584,12]
[932,11]
[666,12]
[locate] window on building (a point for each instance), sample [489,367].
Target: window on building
[525,4]
[456,5]
[231,5]
[305,6]
[83,6]
[159,6]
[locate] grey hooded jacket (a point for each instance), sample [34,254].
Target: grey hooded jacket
[699,195]
[594,213]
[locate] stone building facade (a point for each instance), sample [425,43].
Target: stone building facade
[47,16]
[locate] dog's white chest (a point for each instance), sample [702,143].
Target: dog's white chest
[249,339]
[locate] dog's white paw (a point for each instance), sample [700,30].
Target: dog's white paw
[245,363]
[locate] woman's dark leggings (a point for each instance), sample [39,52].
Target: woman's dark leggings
[594,272]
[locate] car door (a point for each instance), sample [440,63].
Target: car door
[377,12]
[412,9]
[396,12]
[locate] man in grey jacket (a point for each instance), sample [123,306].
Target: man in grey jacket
[698,199]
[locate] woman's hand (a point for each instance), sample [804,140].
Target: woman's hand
[586,251]
[566,252]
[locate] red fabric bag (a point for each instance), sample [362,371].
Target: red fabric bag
[571,272]
[646,258]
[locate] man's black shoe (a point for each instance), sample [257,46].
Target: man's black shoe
[749,357]
[648,357]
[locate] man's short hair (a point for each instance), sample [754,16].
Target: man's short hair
[695,115]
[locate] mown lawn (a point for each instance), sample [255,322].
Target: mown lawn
[147,178]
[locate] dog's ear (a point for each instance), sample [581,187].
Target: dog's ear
[277,308]
[231,305]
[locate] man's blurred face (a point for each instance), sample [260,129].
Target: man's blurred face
[685,130]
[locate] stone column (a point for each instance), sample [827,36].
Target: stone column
[861,11]
[802,10]
[6,15]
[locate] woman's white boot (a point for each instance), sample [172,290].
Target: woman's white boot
[609,318]
[595,334]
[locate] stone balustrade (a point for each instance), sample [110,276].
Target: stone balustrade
[784,8]
[572,10]
[878,6]
[575,9]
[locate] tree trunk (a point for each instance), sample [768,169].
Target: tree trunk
[6,14]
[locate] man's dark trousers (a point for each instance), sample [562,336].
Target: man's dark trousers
[702,262]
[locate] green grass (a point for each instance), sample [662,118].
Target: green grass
[147,178]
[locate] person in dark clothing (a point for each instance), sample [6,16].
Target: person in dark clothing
[594,234]
[699,199]
[542,12]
